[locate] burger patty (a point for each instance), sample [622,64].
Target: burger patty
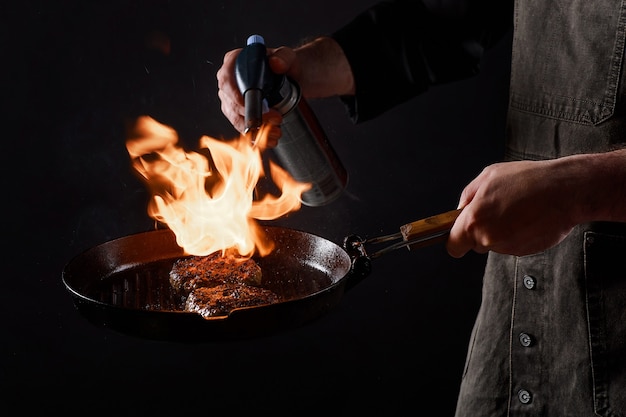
[221,299]
[188,274]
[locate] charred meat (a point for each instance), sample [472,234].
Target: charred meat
[188,274]
[222,299]
[216,284]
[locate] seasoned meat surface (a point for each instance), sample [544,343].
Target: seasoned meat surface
[221,299]
[215,284]
[188,274]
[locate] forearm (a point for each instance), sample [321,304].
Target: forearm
[599,188]
[525,207]
[324,69]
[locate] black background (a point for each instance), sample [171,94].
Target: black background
[75,72]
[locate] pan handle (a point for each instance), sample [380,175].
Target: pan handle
[417,234]
[430,230]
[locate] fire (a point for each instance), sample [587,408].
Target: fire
[207,198]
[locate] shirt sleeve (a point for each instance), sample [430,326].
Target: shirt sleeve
[397,49]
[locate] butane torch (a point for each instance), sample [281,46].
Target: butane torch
[303,149]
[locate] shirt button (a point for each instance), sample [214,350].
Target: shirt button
[525,339]
[529,282]
[524,396]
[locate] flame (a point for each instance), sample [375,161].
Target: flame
[207,198]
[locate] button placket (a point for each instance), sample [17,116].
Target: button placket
[528,310]
[530,283]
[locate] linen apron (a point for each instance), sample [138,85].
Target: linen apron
[550,335]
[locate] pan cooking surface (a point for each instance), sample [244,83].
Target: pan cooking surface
[133,272]
[147,286]
[144,287]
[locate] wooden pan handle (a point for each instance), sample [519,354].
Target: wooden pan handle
[433,225]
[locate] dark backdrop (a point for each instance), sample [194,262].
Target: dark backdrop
[76,71]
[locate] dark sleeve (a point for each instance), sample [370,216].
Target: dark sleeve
[397,49]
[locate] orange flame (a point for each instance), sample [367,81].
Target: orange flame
[210,206]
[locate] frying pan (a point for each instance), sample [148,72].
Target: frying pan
[124,284]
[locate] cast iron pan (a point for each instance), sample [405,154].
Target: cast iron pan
[124,284]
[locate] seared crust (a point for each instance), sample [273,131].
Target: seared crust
[221,299]
[216,284]
[188,274]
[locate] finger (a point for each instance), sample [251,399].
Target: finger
[229,91]
[233,111]
[273,136]
[468,193]
[273,119]
[226,73]
[459,241]
[281,59]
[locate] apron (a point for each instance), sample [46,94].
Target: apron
[550,335]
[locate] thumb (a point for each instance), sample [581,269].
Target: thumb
[281,59]
[468,193]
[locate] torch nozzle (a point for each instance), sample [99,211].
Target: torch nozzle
[253,77]
[253,115]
